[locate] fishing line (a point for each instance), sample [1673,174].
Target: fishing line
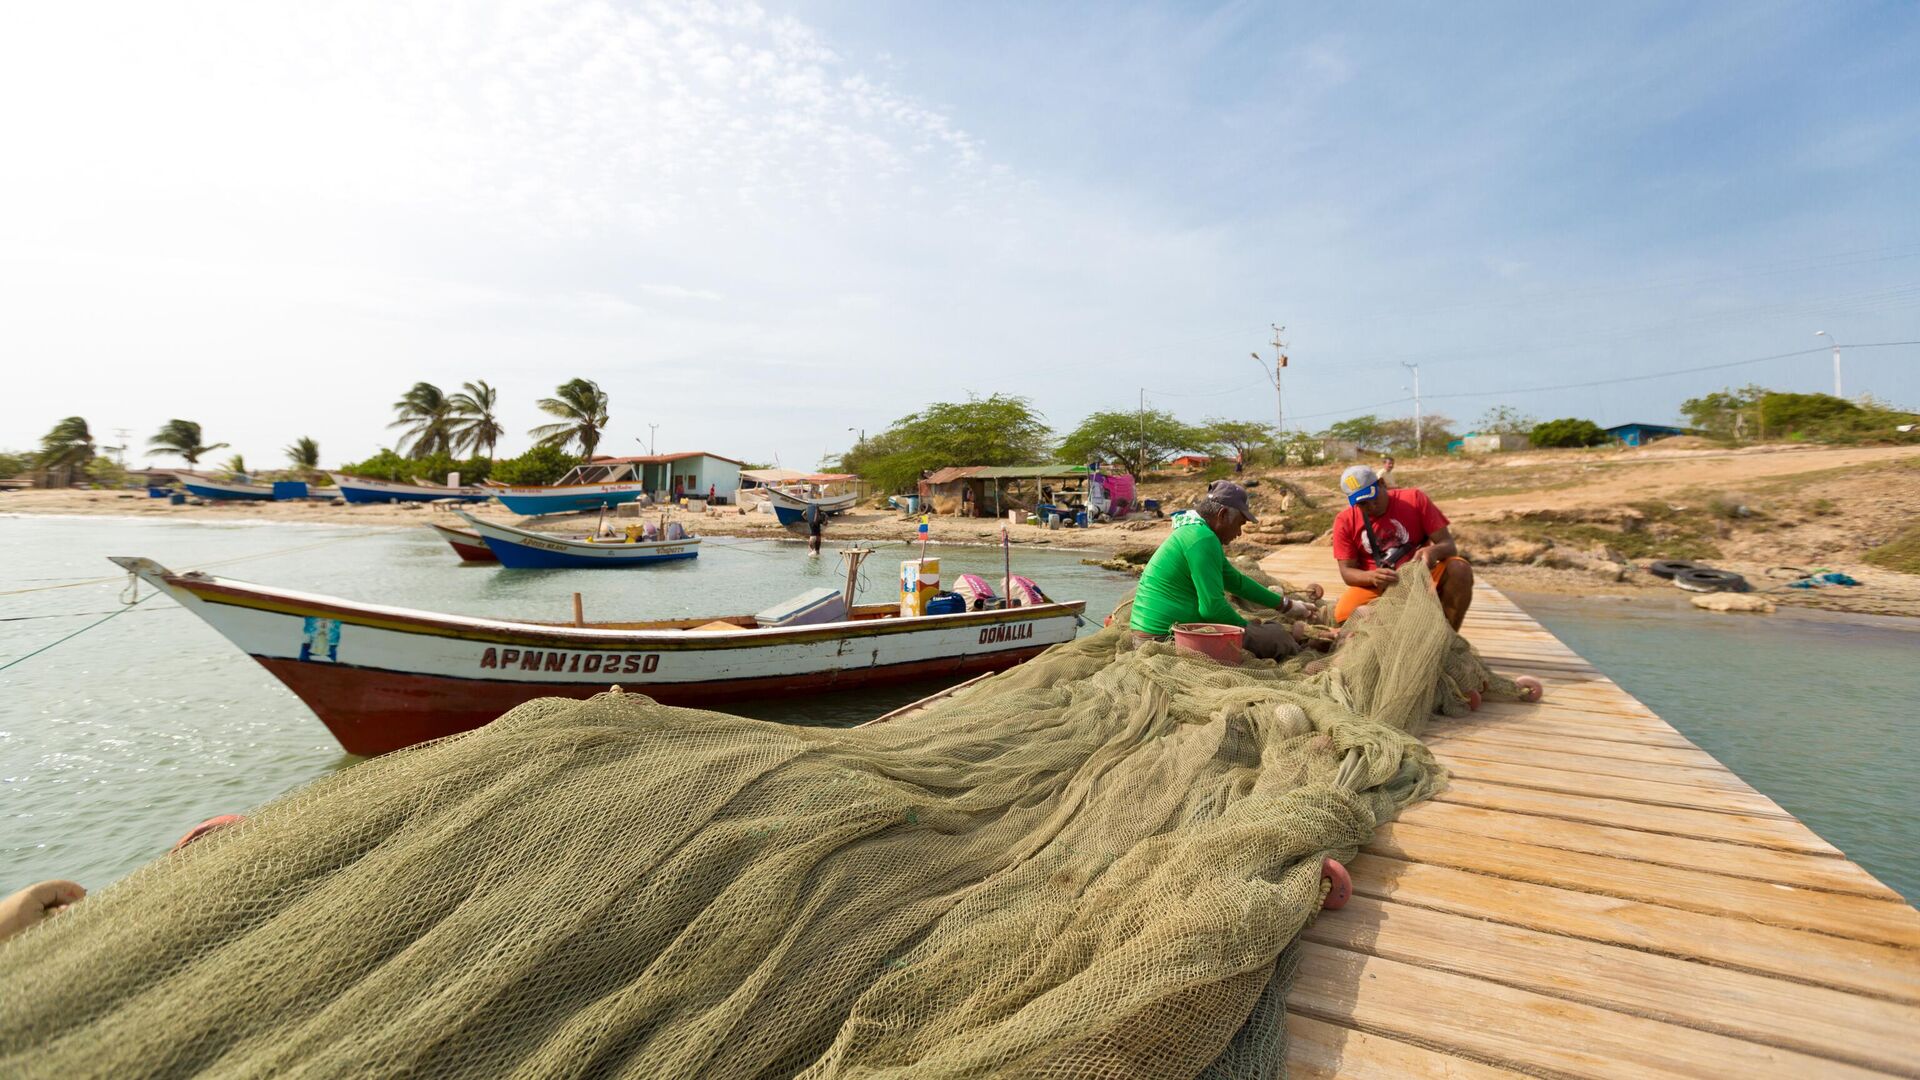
[77,633]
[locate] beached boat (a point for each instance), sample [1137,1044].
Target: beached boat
[384,677]
[790,506]
[212,487]
[465,543]
[525,549]
[359,489]
[585,487]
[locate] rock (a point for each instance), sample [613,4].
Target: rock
[1727,601]
[1512,551]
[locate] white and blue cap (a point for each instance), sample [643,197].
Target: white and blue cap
[1360,483]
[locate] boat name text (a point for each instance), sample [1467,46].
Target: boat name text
[573,663]
[1014,632]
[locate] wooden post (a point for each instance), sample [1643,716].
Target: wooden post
[579,618]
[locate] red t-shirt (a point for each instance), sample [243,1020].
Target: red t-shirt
[1411,518]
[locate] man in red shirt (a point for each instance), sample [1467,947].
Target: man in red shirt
[1383,530]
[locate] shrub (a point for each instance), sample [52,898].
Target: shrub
[387,465]
[1568,432]
[540,465]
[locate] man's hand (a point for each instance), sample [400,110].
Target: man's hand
[1382,577]
[36,903]
[1431,555]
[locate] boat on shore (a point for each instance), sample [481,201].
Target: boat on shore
[584,487]
[526,549]
[383,677]
[205,486]
[360,489]
[790,507]
[465,543]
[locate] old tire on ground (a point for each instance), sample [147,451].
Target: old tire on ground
[1669,568]
[1707,579]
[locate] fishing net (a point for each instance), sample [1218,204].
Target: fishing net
[1090,866]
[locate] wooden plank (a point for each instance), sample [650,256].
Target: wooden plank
[1652,792]
[1683,821]
[1556,725]
[1616,749]
[1776,904]
[1815,1020]
[1316,1049]
[1798,955]
[1806,871]
[1508,1026]
[1718,779]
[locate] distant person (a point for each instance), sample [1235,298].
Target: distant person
[1239,463]
[1189,577]
[966,499]
[816,520]
[711,491]
[679,491]
[1384,529]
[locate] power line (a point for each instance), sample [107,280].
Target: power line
[1668,374]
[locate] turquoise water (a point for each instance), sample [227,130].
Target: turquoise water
[1818,711]
[114,744]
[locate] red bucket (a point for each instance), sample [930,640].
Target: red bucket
[1216,641]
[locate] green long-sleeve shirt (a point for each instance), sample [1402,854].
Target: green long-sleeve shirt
[1188,580]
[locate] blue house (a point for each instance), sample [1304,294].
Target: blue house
[1642,434]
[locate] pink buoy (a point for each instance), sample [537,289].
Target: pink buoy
[1473,700]
[206,827]
[1530,688]
[1340,885]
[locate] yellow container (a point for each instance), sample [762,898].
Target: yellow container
[919,581]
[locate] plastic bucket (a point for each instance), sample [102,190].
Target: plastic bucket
[1080,520]
[1215,641]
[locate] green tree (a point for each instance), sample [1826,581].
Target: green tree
[477,428]
[236,465]
[1808,416]
[69,444]
[388,465]
[107,473]
[1568,432]
[1504,420]
[543,464]
[427,416]
[999,429]
[1138,441]
[1435,431]
[582,408]
[304,454]
[181,437]
[1726,414]
[1366,430]
[13,463]
[1238,437]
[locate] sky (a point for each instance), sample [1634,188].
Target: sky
[765,229]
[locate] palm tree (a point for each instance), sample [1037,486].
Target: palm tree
[69,443]
[305,454]
[427,415]
[582,407]
[181,437]
[237,465]
[478,427]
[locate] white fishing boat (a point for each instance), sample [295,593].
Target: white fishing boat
[527,549]
[360,489]
[383,677]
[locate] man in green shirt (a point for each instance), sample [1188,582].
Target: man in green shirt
[1189,577]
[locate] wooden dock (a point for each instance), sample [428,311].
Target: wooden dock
[1596,896]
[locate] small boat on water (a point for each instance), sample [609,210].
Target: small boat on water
[584,487]
[790,506]
[465,543]
[384,677]
[525,549]
[359,489]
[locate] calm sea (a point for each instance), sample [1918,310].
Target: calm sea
[116,742]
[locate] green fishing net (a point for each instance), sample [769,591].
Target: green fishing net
[1092,865]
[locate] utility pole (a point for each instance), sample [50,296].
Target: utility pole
[652,431]
[1836,361]
[1279,364]
[1143,432]
[125,435]
[1419,443]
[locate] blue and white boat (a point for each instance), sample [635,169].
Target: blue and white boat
[359,489]
[585,487]
[790,507]
[525,549]
[210,487]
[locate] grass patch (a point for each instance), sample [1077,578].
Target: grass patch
[1901,553]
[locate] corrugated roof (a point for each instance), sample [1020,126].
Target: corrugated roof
[661,459]
[1006,472]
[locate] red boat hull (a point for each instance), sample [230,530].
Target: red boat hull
[473,552]
[373,712]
